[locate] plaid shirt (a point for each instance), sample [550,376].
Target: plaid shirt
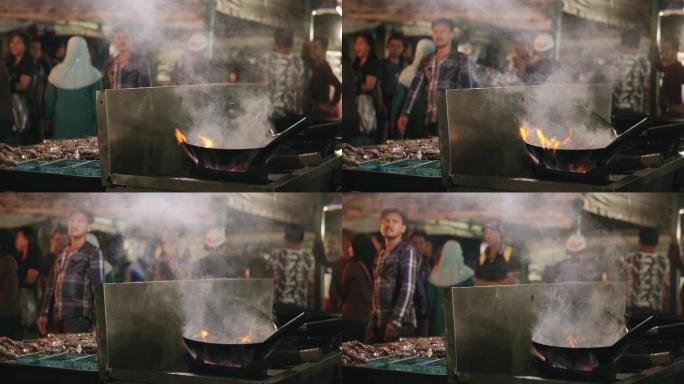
[69,293]
[452,72]
[395,284]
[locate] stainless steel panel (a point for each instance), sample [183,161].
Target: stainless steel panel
[139,325]
[489,328]
[478,128]
[136,125]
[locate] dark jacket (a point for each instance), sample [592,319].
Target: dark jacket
[357,290]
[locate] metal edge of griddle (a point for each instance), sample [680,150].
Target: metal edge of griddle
[284,184]
[636,181]
[295,374]
[37,373]
[390,376]
[443,132]
[354,180]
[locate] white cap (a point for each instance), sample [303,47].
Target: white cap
[543,42]
[576,243]
[215,237]
[198,42]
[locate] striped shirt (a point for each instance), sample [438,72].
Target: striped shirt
[395,284]
[70,290]
[452,72]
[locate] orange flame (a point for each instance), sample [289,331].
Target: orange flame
[545,142]
[206,142]
[180,137]
[204,334]
[571,340]
[523,132]
[246,338]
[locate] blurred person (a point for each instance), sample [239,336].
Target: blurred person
[497,265]
[127,69]
[283,70]
[57,53]
[322,79]
[366,70]
[419,241]
[292,271]
[58,243]
[516,61]
[350,111]
[628,71]
[194,67]
[646,274]
[357,287]
[28,265]
[68,303]
[446,68]
[672,78]
[450,271]
[20,67]
[416,119]
[540,65]
[390,68]
[6,135]
[393,313]
[10,325]
[70,98]
[37,89]
[579,266]
[220,260]
[166,256]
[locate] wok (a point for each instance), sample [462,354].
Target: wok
[249,358]
[582,160]
[594,361]
[239,159]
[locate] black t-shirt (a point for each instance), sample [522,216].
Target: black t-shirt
[32,261]
[389,76]
[370,68]
[673,78]
[498,269]
[16,70]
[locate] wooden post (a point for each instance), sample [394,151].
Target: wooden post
[557,24]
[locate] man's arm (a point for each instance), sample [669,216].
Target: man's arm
[408,265]
[415,89]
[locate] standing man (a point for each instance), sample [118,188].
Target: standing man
[646,274]
[420,242]
[629,74]
[127,69]
[390,68]
[393,314]
[292,271]
[673,78]
[284,73]
[444,69]
[69,301]
[497,265]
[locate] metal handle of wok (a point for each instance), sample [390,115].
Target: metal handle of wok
[288,327]
[635,130]
[633,333]
[292,130]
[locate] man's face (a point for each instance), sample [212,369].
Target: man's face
[361,48]
[57,242]
[17,47]
[667,52]
[395,47]
[122,41]
[392,226]
[20,241]
[36,49]
[441,35]
[491,237]
[78,225]
[420,244]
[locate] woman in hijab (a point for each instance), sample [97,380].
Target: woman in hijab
[414,127]
[449,272]
[357,288]
[70,99]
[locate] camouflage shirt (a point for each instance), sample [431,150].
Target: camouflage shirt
[645,275]
[628,74]
[292,273]
[285,77]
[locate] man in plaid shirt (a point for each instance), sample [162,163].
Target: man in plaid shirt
[393,314]
[441,70]
[69,296]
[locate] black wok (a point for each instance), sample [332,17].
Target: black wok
[594,361]
[581,160]
[250,358]
[238,159]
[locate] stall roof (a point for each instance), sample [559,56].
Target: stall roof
[179,14]
[188,209]
[532,210]
[520,14]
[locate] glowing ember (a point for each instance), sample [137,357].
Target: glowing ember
[246,339]
[206,142]
[180,137]
[204,334]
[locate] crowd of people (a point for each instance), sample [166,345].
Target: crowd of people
[53,96]
[396,98]
[48,285]
[393,282]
